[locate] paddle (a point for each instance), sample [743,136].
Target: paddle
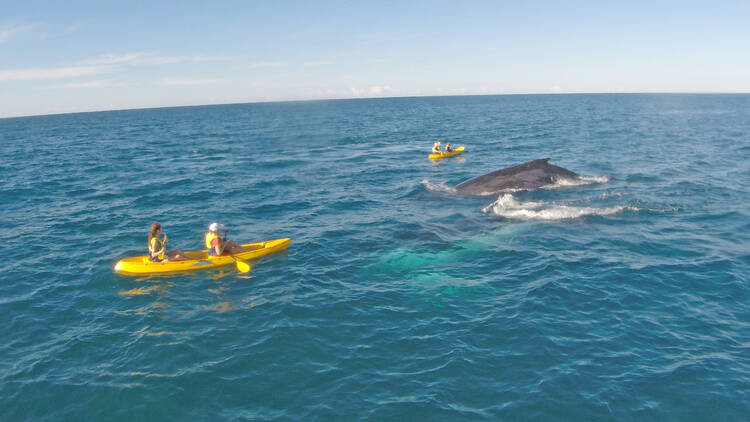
[163,247]
[242,266]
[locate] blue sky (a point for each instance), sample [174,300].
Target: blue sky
[71,56]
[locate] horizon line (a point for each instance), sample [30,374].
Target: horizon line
[374,98]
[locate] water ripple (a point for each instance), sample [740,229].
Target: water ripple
[625,299]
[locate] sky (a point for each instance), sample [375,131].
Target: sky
[75,56]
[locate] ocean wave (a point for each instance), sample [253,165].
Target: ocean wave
[507,206]
[397,291]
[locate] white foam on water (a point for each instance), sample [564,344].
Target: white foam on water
[607,195]
[578,181]
[507,206]
[508,190]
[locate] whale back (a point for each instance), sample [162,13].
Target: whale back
[527,176]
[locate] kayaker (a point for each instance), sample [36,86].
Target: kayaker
[436,148]
[156,247]
[448,148]
[217,245]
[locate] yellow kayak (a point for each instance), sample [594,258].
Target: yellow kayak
[446,154]
[198,259]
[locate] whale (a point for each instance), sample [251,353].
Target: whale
[527,176]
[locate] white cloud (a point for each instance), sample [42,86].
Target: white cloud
[320,92]
[212,58]
[165,60]
[73,27]
[105,63]
[7,34]
[107,59]
[132,59]
[144,58]
[96,84]
[317,63]
[189,81]
[52,73]
[376,90]
[87,84]
[380,90]
[259,65]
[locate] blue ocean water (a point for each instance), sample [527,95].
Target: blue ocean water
[623,298]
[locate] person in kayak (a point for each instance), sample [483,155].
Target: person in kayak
[156,247]
[448,148]
[436,148]
[217,245]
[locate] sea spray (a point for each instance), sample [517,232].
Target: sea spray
[508,206]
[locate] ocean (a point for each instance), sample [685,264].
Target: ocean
[624,295]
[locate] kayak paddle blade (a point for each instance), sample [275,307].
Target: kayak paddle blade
[242,266]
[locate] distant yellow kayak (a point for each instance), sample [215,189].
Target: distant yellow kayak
[198,259]
[446,154]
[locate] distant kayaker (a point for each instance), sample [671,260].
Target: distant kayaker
[217,245]
[448,148]
[156,247]
[436,148]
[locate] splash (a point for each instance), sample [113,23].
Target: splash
[578,181]
[607,195]
[507,206]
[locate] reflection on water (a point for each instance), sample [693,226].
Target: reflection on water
[221,307]
[222,281]
[138,291]
[144,310]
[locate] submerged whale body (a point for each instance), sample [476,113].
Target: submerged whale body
[526,176]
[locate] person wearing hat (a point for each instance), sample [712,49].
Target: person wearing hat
[156,247]
[217,245]
[436,148]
